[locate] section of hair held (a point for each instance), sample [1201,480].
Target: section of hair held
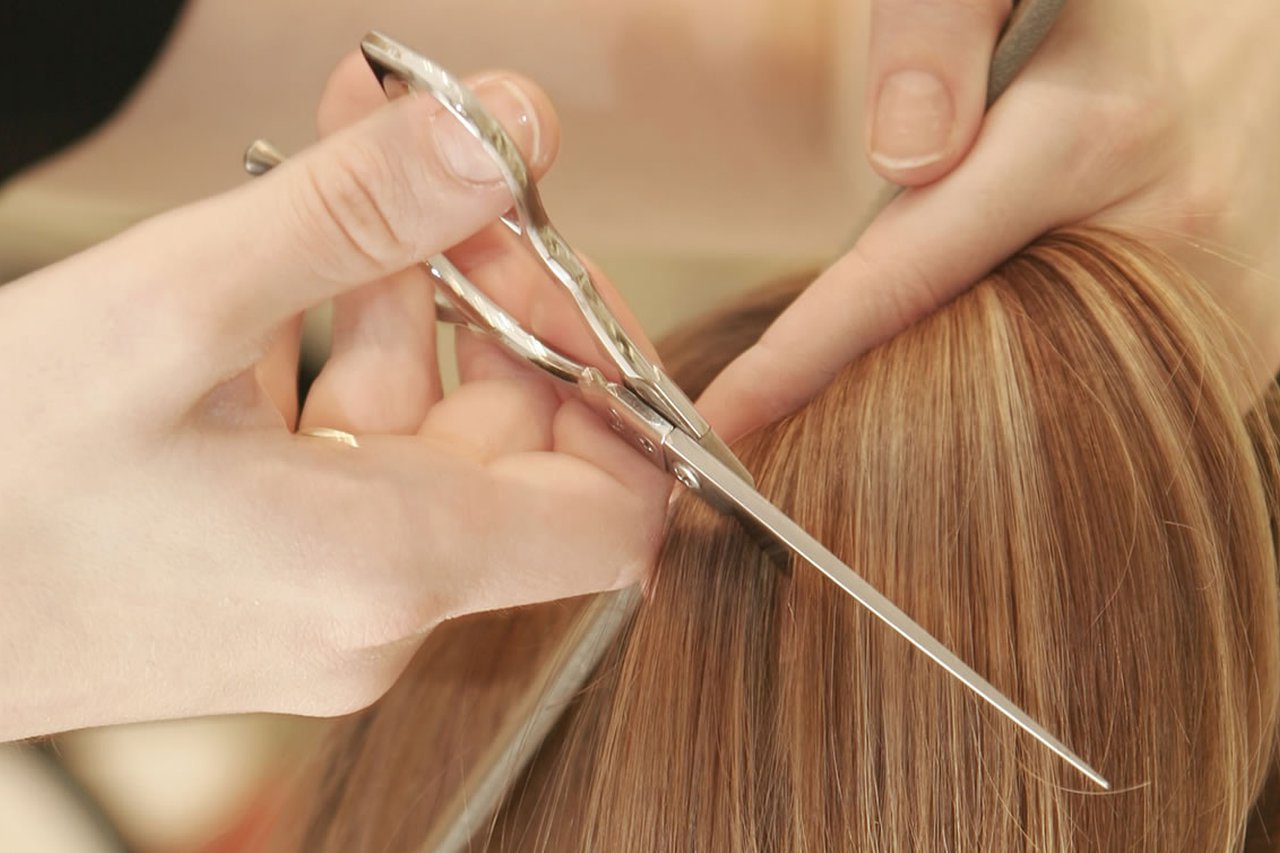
[1051,475]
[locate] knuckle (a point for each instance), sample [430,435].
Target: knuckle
[350,201]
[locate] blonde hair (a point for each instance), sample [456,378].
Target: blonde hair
[1050,474]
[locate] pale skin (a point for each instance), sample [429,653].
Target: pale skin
[173,547]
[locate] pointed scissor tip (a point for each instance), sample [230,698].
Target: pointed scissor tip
[1096,778]
[1071,758]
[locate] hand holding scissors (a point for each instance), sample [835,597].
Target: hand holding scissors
[174,547]
[642,405]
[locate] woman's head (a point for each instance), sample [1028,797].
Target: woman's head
[1050,475]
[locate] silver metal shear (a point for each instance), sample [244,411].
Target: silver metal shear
[647,409]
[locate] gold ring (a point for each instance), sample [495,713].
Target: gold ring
[332,435]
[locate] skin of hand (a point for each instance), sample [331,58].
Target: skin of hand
[1159,117]
[172,547]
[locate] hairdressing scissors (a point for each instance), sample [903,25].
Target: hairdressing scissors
[644,406]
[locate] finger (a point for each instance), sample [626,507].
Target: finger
[381,374]
[545,526]
[416,531]
[927,83]
[579,431]
[480,357]
[487,419]
[350,94]
[502,266]
[494,257]
[927,246]
[403,183]
[594,481]
[594,491]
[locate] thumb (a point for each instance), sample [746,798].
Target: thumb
[406,182]
[927,83]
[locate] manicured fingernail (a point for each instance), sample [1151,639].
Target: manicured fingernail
[463,153]
[913,121]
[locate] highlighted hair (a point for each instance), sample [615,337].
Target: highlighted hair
[1051,474]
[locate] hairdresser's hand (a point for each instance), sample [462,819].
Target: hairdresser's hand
[1160,116]
[172,547]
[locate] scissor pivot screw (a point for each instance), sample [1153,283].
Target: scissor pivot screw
[685,475]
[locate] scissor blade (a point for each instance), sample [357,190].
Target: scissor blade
[716,446]
[711,478]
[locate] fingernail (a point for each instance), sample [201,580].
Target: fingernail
[913,121]
[464,155]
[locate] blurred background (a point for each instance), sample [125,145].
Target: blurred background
[708,146]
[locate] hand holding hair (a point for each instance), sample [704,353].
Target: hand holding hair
[1159,117]
[172,547]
